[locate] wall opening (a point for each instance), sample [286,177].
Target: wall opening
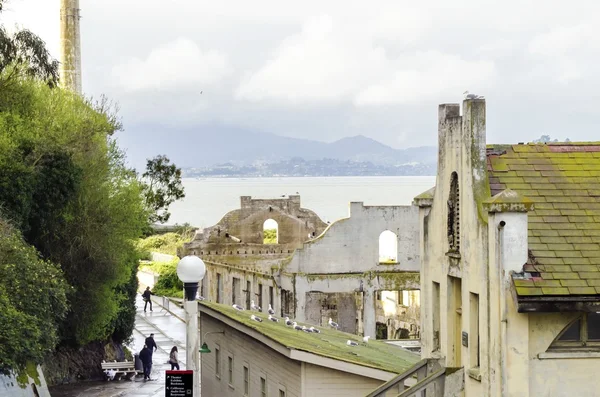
[435,303]
[454,316]
[260,295]
[474,330]
[270,232]
[454,214]
[235,289]
[388,247]
[219,287]
[248,291]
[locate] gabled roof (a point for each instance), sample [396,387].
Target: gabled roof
[329,343]
[563,182]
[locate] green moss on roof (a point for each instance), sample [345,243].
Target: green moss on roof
[563,181]
[329,343]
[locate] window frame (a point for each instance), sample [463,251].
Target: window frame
[218,361]
[246,379]
[583,343]
[263,392]
[230,369]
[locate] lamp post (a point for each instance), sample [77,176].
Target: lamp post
[190,271]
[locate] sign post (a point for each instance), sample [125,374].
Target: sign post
[179,384]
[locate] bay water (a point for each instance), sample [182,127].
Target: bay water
[209,199]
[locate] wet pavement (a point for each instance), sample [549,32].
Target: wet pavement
[169,330]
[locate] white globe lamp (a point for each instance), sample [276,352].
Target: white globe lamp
[191,271]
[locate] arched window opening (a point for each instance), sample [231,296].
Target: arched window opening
[388,247]
[270,232]
[584,332]
[454,214]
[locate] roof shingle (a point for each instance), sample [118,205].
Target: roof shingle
[563,182]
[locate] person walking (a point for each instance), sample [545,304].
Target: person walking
[146,295]
[173,358]
[151,344]
[146,357]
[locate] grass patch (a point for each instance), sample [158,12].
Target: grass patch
[329,343]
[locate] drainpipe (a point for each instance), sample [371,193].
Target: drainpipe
[503,313]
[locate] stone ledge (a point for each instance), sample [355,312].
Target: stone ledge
[474,373]
[568,355]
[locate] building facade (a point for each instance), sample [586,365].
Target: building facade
[361,271]
[248,358]
[510,261]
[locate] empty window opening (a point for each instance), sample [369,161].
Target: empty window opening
[270,232]
[260,295]
[474,330]
[271,296]
[583,333]
[219,287]
[454,214]
[388,247]
[435,302]
[235,288]
[248,291]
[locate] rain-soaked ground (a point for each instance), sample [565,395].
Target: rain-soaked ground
[169,331]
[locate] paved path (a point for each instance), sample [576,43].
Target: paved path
[169,331]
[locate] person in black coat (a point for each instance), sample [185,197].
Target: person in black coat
[151,344]
[146,358]
[146,295]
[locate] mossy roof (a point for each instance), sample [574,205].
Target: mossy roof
[329,343]
[563,182]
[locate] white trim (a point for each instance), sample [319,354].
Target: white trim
[567,355]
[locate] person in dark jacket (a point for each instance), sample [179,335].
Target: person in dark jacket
[146,357]
[146,295]
[151,344]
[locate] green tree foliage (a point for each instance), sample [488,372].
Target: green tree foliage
[270,236]
[162,186]
[29,52]
[32,302]
[64,182]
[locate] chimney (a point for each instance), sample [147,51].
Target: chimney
[70,46]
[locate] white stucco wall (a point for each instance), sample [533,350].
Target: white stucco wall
[10,387]
[512,344]
[352,244]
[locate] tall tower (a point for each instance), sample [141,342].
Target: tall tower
[70,45]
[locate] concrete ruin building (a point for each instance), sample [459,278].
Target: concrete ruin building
[361,271]
[510,271]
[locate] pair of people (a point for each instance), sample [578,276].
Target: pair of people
[146,355]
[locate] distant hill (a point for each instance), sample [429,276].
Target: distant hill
[216,144]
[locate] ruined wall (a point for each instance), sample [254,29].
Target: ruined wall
[345,261]
[454,243]
[352,244]
[294,224]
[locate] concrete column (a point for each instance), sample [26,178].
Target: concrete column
[192,341]
[70,46]
[369,318]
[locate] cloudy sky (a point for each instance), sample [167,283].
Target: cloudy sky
[328,69]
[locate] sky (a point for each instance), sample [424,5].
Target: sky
[324,70]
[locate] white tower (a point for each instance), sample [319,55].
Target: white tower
[70,46]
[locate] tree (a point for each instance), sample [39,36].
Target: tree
[32,302]
[547,139]
[162,186]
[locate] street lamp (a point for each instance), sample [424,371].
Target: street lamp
[190,271]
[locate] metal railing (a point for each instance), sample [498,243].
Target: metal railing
[429,375]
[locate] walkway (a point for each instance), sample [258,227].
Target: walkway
[169,331]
